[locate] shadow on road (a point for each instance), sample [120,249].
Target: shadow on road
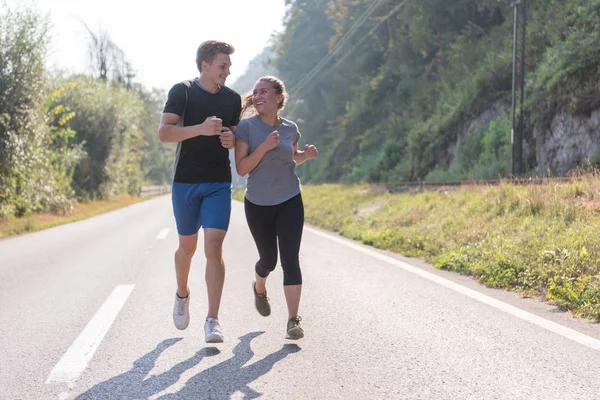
[217,382]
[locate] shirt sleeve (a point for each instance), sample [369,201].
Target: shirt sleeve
[297,135]
[176,100]
[241,132]
[237,111]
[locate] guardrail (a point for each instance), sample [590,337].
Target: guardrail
[158,190]
[155,190]
[420,186]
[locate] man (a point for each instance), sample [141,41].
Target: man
[201,117]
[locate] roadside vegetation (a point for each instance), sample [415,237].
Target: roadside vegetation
[538,240]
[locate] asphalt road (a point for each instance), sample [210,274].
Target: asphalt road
[85,313]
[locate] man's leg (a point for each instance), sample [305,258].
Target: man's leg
[215,269]
[215,212]
[183,261]
[186,209]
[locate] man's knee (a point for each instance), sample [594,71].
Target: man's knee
[187,245]
[213,250]
[213,244]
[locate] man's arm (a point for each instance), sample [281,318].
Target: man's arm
[228,137]
[170,132]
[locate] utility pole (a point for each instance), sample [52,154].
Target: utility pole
[521,135]
[518,130]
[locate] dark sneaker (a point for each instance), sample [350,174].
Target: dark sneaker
[261,301]
[294,330]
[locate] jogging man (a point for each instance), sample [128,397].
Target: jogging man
[201,117]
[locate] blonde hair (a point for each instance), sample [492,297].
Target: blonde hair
[279,87]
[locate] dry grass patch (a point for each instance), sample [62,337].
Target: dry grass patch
[37,222]
[539,240]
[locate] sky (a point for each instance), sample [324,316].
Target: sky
[159,38]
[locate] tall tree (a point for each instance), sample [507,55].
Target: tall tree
[33,149]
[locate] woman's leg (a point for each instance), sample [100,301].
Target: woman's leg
[289,225]
[261,221]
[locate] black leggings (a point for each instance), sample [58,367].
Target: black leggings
[283,222]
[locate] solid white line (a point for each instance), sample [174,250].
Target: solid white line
[163,233]
[77,357]
[490,301]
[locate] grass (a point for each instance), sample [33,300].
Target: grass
[539,240]
[37,222]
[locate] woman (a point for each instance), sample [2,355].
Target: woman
[267,150]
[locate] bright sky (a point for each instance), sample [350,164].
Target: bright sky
[160,38]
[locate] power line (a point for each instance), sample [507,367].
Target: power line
[315,70]
[397,8]
[320,65]
[299,88]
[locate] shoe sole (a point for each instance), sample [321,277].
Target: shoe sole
[215,339]
[264,313]
[295,334]
[182,328]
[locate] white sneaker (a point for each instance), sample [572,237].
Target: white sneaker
[181,312]
[212,331]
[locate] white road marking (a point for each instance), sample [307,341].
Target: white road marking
[163,233]
[77,357]
[490,301]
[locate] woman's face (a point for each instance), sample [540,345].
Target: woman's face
[264,98]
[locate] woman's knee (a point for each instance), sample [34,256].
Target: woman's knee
[292,275]
[265,266]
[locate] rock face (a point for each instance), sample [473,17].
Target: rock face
[569,142]
[478,125]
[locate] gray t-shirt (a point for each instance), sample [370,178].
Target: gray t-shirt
[274,179]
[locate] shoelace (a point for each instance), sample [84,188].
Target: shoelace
[263,296]
[213,326]
[181,306]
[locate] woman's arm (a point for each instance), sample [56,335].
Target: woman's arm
[244,162]
[309,152]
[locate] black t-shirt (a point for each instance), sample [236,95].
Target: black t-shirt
[203,158]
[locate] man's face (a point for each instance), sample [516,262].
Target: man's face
[218,70]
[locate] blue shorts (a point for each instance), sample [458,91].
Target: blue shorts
[196,205]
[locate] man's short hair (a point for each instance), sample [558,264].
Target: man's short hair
[208,51]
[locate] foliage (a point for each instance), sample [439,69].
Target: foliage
[107,122]
[394,91]
[36,153]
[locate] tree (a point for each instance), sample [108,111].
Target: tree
[107,59]
[33,176]
[108,123]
